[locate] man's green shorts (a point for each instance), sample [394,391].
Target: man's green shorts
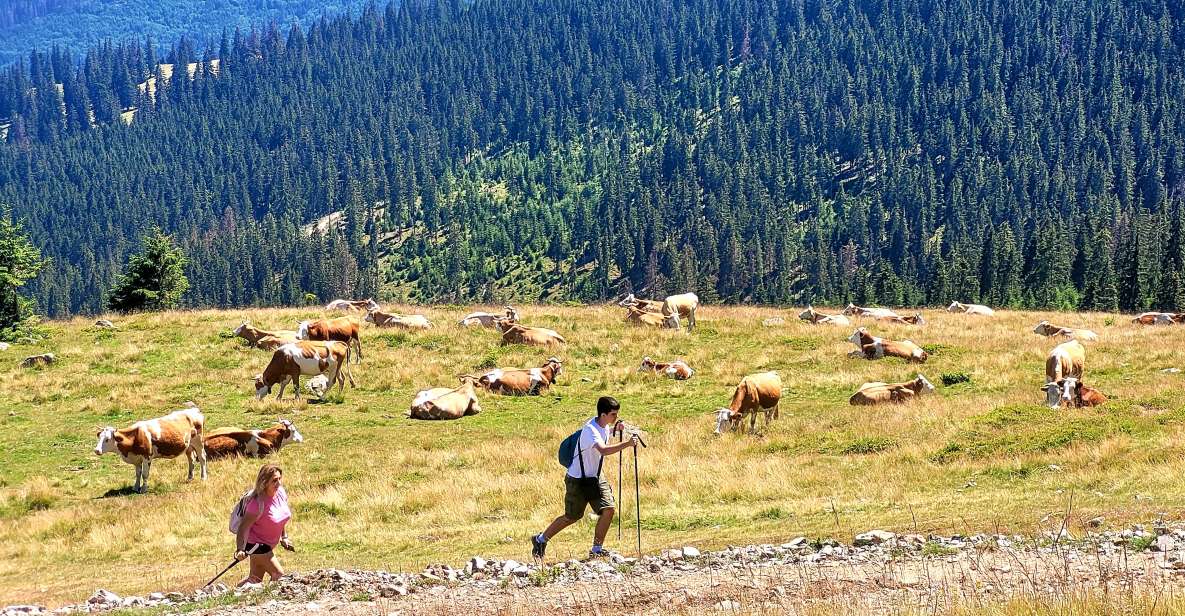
[576,497]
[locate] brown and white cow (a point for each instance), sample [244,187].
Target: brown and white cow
[43,359]
[678,369]
[881,393]
[916,319]
[225,442]
[307,358]
[534,336]
[649,305]
[271,343]
[638,316]
[1063,371]
[1045,328]
[164,437]
[875,313]
[521,381]
[253,335]
[815,317]
[490,320]
[872,347]
[1155,318]
[445,403]
[341,329]
[364,305]
[401,321]
[756,392]
[683,305]
[978,309]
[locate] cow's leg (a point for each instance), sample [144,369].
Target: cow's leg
[139,476]
[283,384]
[145,467]
[199,450]
[358,345]
[339,379]
[691,320]
[190,454]
[296,386]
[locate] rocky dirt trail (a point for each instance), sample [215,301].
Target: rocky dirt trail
[879,573]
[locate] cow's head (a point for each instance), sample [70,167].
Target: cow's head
[851,309]
[726,420]
[369,316]
[1043,328]
[927,386]
[511,314]
[629,300]
[808,314]
[917,319]
[302,330]
[857,337]
[955,307]
[293,435]
[1061,393]
[559,366]
[647,364]
[671,321]
[106,442]
[242,328]
[261,388]
[372,305]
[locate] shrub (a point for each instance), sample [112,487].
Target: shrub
[954,378]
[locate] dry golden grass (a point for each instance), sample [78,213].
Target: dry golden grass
[372,489]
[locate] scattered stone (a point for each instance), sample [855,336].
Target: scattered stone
[44,359]
[1166,370]
[874,537]
[476,563]
[104,597]
[728,605]
[1095,522]
[3,346]
[690,552]
[672,554]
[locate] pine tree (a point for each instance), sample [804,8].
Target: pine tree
[154,279]
[20,261]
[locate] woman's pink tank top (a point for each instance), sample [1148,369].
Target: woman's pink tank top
[269,527]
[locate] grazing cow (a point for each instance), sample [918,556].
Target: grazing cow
[649,305]
[308,358]
[44,359]
[755,392]
[367,305]
[489,319]
[1045,328]
[1063,371]
[534,336]
[164,437]
[225,442]
[254,335]
[979,309]
[678,369]
[880,393]
[875,313]
[1155,318]
[815,317]
[916,319]
[683,306]
[341,329]
[872,347]
[409,321]
[445,403]
[638,316]
[521,381]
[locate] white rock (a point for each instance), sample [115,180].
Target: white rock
[690,552]
[104,597]
[728,605]
[476,563]
[509,566]
[3,346]
[521,571]
[874,537]
[672,554]
[156,596]
[23,609]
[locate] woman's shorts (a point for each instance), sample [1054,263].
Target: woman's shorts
[258,548]
[579,494]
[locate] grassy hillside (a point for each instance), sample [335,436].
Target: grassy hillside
[370,488]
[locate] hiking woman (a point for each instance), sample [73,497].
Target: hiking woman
[264,517]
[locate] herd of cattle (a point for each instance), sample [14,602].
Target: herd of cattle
[323,350]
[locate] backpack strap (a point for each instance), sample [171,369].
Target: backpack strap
[580,456]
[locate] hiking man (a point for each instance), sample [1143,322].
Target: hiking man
[583,484]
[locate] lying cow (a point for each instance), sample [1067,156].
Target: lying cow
[225,442]
[164,437]
[1063,370]
[875,313]
[649,305]
[916,319]
[978,309]
[872,347]
[534,336]
[678,369]
[271,343]
[1045,328]
[44,359]
[638,316]
[408,321]
[1155,318]
[254,336]
[366,305]
[307,358]
[521,381]
[341,329]
[490,320]
[1073,393]
[880,393]
[815,317]
[445,403]
[755,393]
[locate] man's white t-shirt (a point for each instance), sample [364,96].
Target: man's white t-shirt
[591,434]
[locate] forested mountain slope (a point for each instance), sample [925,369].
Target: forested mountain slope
[1011,152]
[75,25]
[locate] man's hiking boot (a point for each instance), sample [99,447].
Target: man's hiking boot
[538,547]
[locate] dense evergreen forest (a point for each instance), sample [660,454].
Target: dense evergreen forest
[75,25]
[1011,152]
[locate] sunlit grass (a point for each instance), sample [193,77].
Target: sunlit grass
[373,489]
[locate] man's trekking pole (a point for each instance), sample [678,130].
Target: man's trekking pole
[228,568]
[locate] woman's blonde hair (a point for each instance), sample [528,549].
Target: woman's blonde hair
[266,472]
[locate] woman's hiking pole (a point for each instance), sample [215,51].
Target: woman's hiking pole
[228,568]
[638,500]
[620,463]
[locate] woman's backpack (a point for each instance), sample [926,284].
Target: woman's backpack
[239,510]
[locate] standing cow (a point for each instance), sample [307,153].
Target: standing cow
[164,437]
[341,329]
[756,392]
[291,361]
[1063,370]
